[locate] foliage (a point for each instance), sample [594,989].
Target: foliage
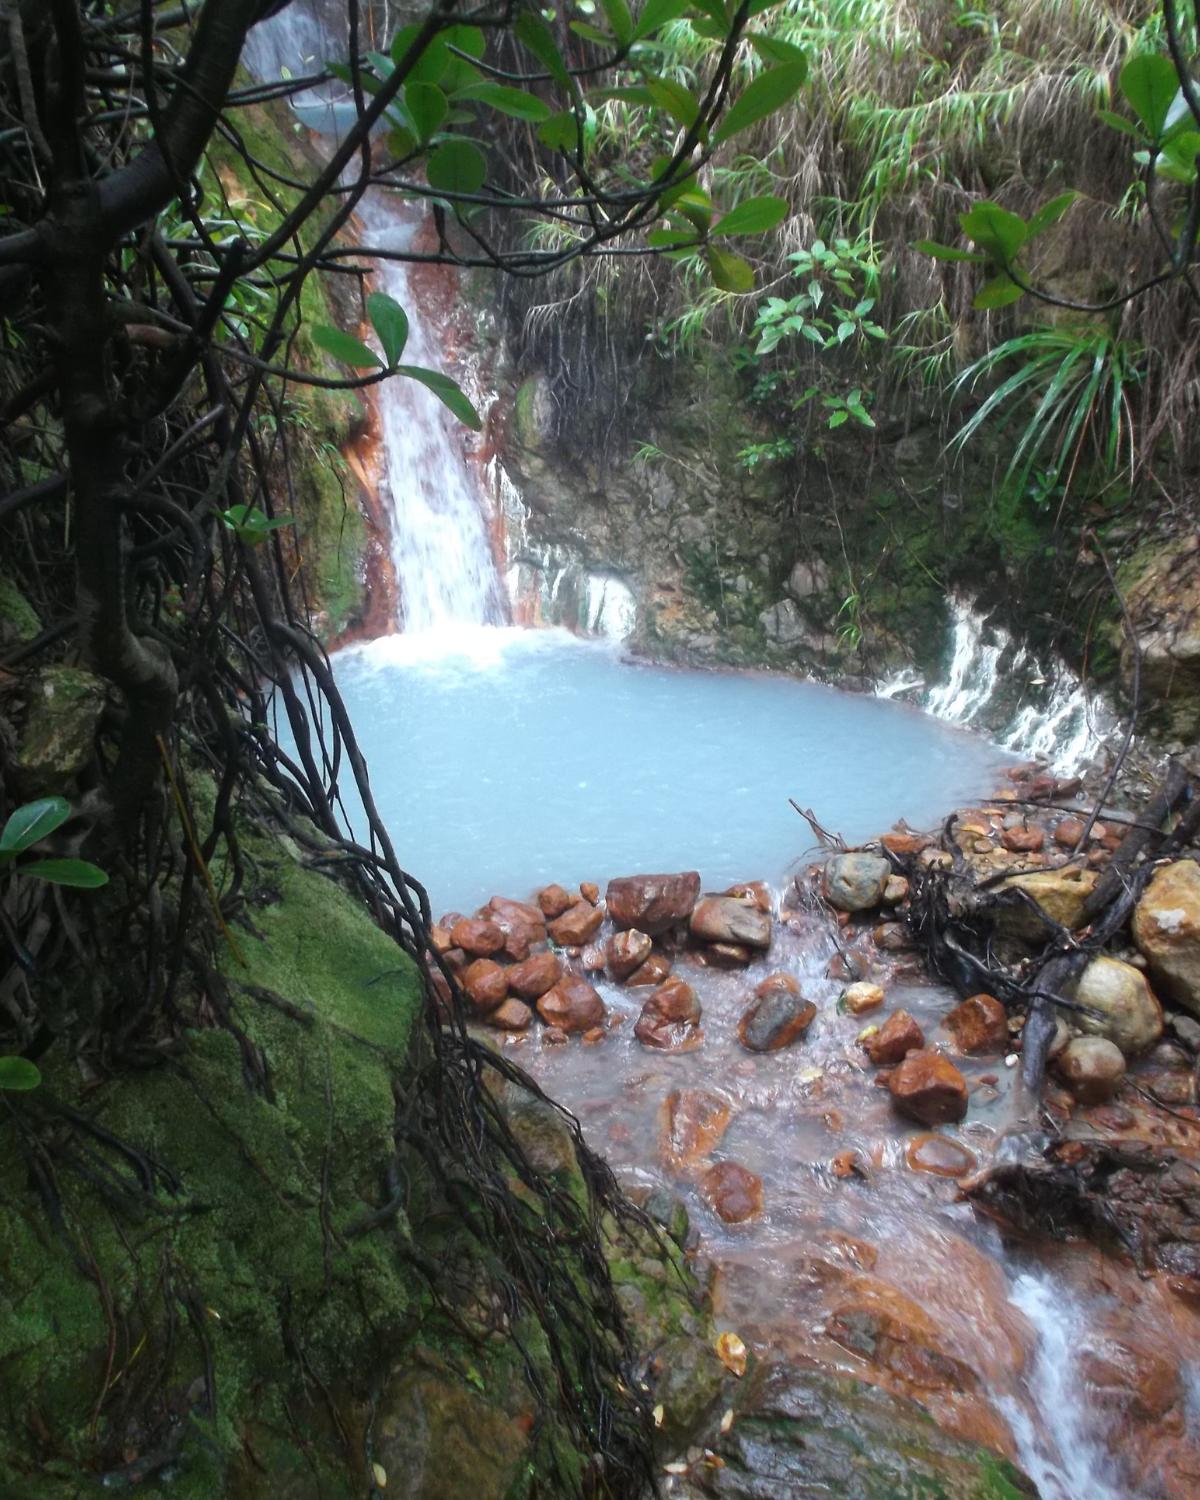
[31,824]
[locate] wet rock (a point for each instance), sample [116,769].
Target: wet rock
[593,959]
[895,890]
[58,739]
[1129,1379]
[1023,840]
[898,1036]
[511,1015]
[418,1430]
[553,900]
[486,984]
[555,1036]
[504,910]
[478,936]
[861,997]
[727,919]
[456,959]
[1068,832]
[847,964]
[726,956]
[572,1005]
[691,1122]
[777,1016]
[1092,1068]
[590,891]
[855,882]
[979,1024]
[1060,894]
[906,843]
[1132,1016]
[537,974]
[627,951]
[1166,927]
[892,937]
[755,891]
[440,940]
[687,1378]
[1187,1029]
[894,1333]
[577,925]
[928,1087]
[733,1192]
[939,1155]
[653,971]
[670,1017]
[809,576]
[652,903]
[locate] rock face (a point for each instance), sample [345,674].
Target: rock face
[1164,605]
[1133,1018]
[691,1122]
[777,1016]
[627,951]
[728,919]
[930,1088]
[652,903]
[732,1191]
[670,1017]
[1092,1068]
[1166,927]
[855,882]
[896,1038]
[537,974]
[572,1005]
[577,924]
[979,1024]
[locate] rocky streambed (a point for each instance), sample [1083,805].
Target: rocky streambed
[777,1076]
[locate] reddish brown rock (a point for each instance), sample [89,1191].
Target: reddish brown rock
[652,903]
[456,959]
[757,892]
[594,1035]
[894,1333]
[554,1036]
[505,909]
[728,919]
[725,956]
[477,935]
[593,959]
[929,1088]
[892,937]
[554,900]
[1068,833]
[1023,840]
[486,984]
[670,1017]
[577,925]
[691,1122]
[777,1016]
[571,1005]
[906,843]
[531,979]
[1130,1379]
[653,971]
[626,952]
[979,1024]
[898,1036]
[732,1191]
[440,940]
[939,1155]
[590,891]
[847,964]
[512,1015]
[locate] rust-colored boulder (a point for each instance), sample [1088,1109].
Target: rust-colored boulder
[777,1016]
[627,951]
[652,903]
[1023,840]
[653,971]
[906,843]
[503,909]
[577,925]
[928,1087]
[1068,832]
[755,891]
[979,1024]
[898,1036]
[590,891]
[729,919]
[691,1122]
[670,1017]
[440,940]
[572,1005]
[732,1191]
[512,1015]
[553,900]
[486,984]
[593,959]
[477,935]
[537,974]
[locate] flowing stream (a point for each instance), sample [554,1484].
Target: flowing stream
[503,759]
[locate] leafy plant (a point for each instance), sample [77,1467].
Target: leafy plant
[18,1075]
[29,825]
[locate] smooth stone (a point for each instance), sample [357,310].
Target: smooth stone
[855,882]
[928,1087]
[733,1192]
[979,1024]
[553,900]
[627,951]
[691,1122]
[652,903]
[1166,927]
[511,1015]
[577,925]
[1132,1016]
[862,997]
[939,1155]
[728,919]
[537,974]
[653,971]
[572,1005]
[1092,1067]
[777,1016]
[477,935]
[898,1036]
[486,984]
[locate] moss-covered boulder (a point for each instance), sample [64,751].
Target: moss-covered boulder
[58,737]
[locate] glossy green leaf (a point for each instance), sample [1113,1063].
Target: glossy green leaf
[767,93]
[754,216]
[560,132]
[18,1075]
[1051,212]
[1177,160]
[33,822]
[1150,83]
[948,252]
[446,390]
[432,61]
[468,39]
[616,13]
[1118,122]
[514,102]
[532,32]
[457,166]
[773,49]
[998,292]
[427,106]
[730,273]
[75,872]
[390,323]
[345,347]
[656,13]
[839,417]
[678,102]
[251,524]
[695,205]
[995,230]
[401,142]
[671,239]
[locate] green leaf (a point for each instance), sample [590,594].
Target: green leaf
[998,292]
[532,31]
[560,132]
[390,323]
[754,216]
[252,525]
[670,239]
[401,142]
[730,273]
[1118,122]
[695,205]
[33,822]
[1150,83]
[434,57]
[616,12]
[514,102]
[427,106]
[995,230]
[631,93]
[591,33]
[76,872]
[769,91]
[446,391]
[948,252]
[18,1075]
[457,166]
[345,347]
[1051,212]
[773,49]
[675,99]
[656,13]
[468,39]
[839,417]
[1178,157]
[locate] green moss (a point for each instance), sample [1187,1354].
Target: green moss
[18,619]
